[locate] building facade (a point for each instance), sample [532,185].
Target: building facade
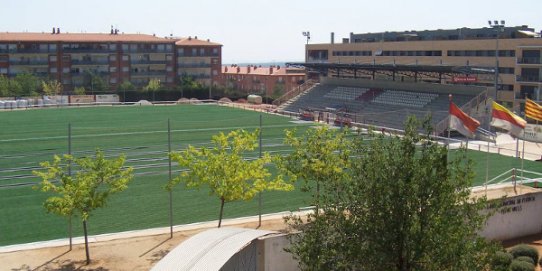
[519,55]
[74,59]
[269,81]
[199,59]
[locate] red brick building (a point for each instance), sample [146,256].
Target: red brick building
[115,57]
[272,81]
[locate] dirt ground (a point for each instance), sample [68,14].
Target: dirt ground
[137,253]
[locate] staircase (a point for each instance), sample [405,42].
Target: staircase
[291,96]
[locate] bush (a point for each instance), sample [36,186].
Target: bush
[501,260]
[525,259]
[521,266]
[525,250]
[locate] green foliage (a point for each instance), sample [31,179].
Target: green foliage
[224,169]
[521,266]
[525,259]
[501,260]
[525,250]
[51,88]
[94,180]
[403,207]
[28,85]
[126,86]
[79,91]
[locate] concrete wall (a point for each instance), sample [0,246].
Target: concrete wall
[271,254]
[514,217]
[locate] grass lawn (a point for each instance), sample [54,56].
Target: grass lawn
[30,136]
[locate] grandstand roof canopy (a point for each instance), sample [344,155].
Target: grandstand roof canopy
[448,69]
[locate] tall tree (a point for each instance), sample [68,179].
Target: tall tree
[95,180]
[4,86]
[405,207]
[225,169]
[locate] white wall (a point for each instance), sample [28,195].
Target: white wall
[515,217]
[271,254]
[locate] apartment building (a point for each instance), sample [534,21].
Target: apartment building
[271,81]
[74,58]
[199,59]
[519,55]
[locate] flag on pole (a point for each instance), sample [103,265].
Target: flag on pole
[462,122]
[504,119]
[533,110]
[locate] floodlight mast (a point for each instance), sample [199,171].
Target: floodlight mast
[499,28]
[307,34]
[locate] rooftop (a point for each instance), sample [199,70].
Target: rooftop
[464,33]
[80,37]
[258,70]
[195,42]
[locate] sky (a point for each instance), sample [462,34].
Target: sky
[254,31]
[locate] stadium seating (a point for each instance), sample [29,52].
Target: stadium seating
[381,107]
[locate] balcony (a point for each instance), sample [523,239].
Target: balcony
[529,60]
[76,62]
[149,62]
[528,78]
[87,50]
[26,51]
[149,73]
[193,65]
[28,62]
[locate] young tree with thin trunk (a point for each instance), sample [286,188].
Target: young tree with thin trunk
[226,169]
[95,179]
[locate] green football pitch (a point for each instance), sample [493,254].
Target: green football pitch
[28,137]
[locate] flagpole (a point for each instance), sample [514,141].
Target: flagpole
[522,158]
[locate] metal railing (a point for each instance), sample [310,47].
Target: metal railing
[528,60]
[294,92]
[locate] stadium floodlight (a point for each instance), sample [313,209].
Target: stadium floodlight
[498,29]
[308,35]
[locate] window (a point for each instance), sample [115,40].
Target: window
[125,47]
[215,72]
[3,70]
[125,69]
[125,58]
[52,58]
[215,51]
[112,47]
[113,80]
[112,58]
[65,70]
[169,68]
[112,69]
[169,80]
[161,47]
[133,47]
[180,51]
[194,51]
[201,52]
[169,47]
[52,70]
[214,60]
[169,57]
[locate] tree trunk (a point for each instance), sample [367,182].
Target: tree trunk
[221,212]
[86,240]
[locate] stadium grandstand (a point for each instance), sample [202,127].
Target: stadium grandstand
[386,103]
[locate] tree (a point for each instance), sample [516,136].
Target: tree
[79,91]
[320,157]
[223,168]
[28,85]
[125,86]
[405,207]
[152,86]
[95,180]
[4,86]
[51,88]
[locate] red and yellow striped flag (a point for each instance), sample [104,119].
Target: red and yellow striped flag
[533,110]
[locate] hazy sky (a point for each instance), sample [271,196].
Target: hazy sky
[262,30]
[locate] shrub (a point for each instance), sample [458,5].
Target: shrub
[501,260]
[525,250]
[525,259]
[521,266]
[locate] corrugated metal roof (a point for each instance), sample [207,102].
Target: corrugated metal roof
[208,250]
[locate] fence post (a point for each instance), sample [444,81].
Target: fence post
[70,174]
[260,194]
[169,170]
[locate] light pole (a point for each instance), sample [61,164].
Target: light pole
[498,27]
[308,35]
